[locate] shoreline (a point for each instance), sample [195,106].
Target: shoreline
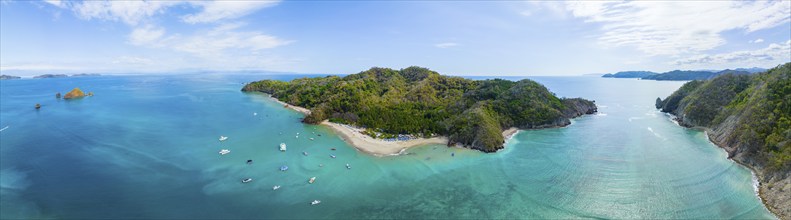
[756,174]
[379,147]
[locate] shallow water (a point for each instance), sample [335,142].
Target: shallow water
[146,147]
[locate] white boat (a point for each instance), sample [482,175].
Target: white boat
[222,138]
[247,180]
[332,155]
[224,151]
[276,187]
[255,113]
[312,179]
[348,166]
[282,146]
[315,202]
[304,153]
[311,139]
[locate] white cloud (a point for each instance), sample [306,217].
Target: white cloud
[759,40]
[129,12]
[146,36]
[225,37]
[677,27]
[221,10]
[132,60]
[772,55]
[446,45]
[56,3]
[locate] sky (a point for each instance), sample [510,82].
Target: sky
[503,38]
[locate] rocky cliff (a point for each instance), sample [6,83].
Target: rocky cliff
[750,117]
[75,93]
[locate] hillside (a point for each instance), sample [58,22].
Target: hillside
[423,103]
[693,75]
[750,117]
[629,74]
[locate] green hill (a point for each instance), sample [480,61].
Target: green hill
[422,102]
[749,116]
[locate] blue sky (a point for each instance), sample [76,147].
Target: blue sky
[458,38]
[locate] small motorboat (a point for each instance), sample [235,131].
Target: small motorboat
[312,179]
[296,136]
[283,168]
[255,113]
[348,166]
[282,146]
[332,155]
[315,202]
[276,187]
[304,153]
[224,151]
[247,180]
[332,148]
[452,154]
[222,138]
[321,165]
[319,135]
[249,162]
[311,139]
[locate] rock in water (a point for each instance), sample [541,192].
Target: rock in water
[57,96]
[38,106]
[75,93]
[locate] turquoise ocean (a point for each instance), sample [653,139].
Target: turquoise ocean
[147,147]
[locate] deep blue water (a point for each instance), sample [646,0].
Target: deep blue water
[146,147]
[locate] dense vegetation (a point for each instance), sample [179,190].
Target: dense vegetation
[681,74]
[421,102]
[629,74]
[692,75]
[753,111]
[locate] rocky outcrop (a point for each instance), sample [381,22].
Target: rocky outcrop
[749,117]
[75,93]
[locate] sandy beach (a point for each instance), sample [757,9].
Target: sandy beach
[379,147]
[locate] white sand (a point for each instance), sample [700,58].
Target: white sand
[379,147]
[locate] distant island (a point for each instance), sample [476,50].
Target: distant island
[417,103]
[629,74]
[86,74]
[50,76]
[2,77]
[682,75]
[750,117]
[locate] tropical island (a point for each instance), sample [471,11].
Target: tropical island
[750,117]
[682,75]
[45,76]
[417,103]
[2,77]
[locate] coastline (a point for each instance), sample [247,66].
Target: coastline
[365,143]
[758,176]
[378,147]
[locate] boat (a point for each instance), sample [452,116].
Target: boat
[222,138]
[315,202]
[452,154]
[276,187]
[283,168]
[304,153]
[348,166]
[312,179]
[247,180]
[282,146]
[249,161]
[311,139]
[332,148]
[255,113]
[224,151]
[332,155]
